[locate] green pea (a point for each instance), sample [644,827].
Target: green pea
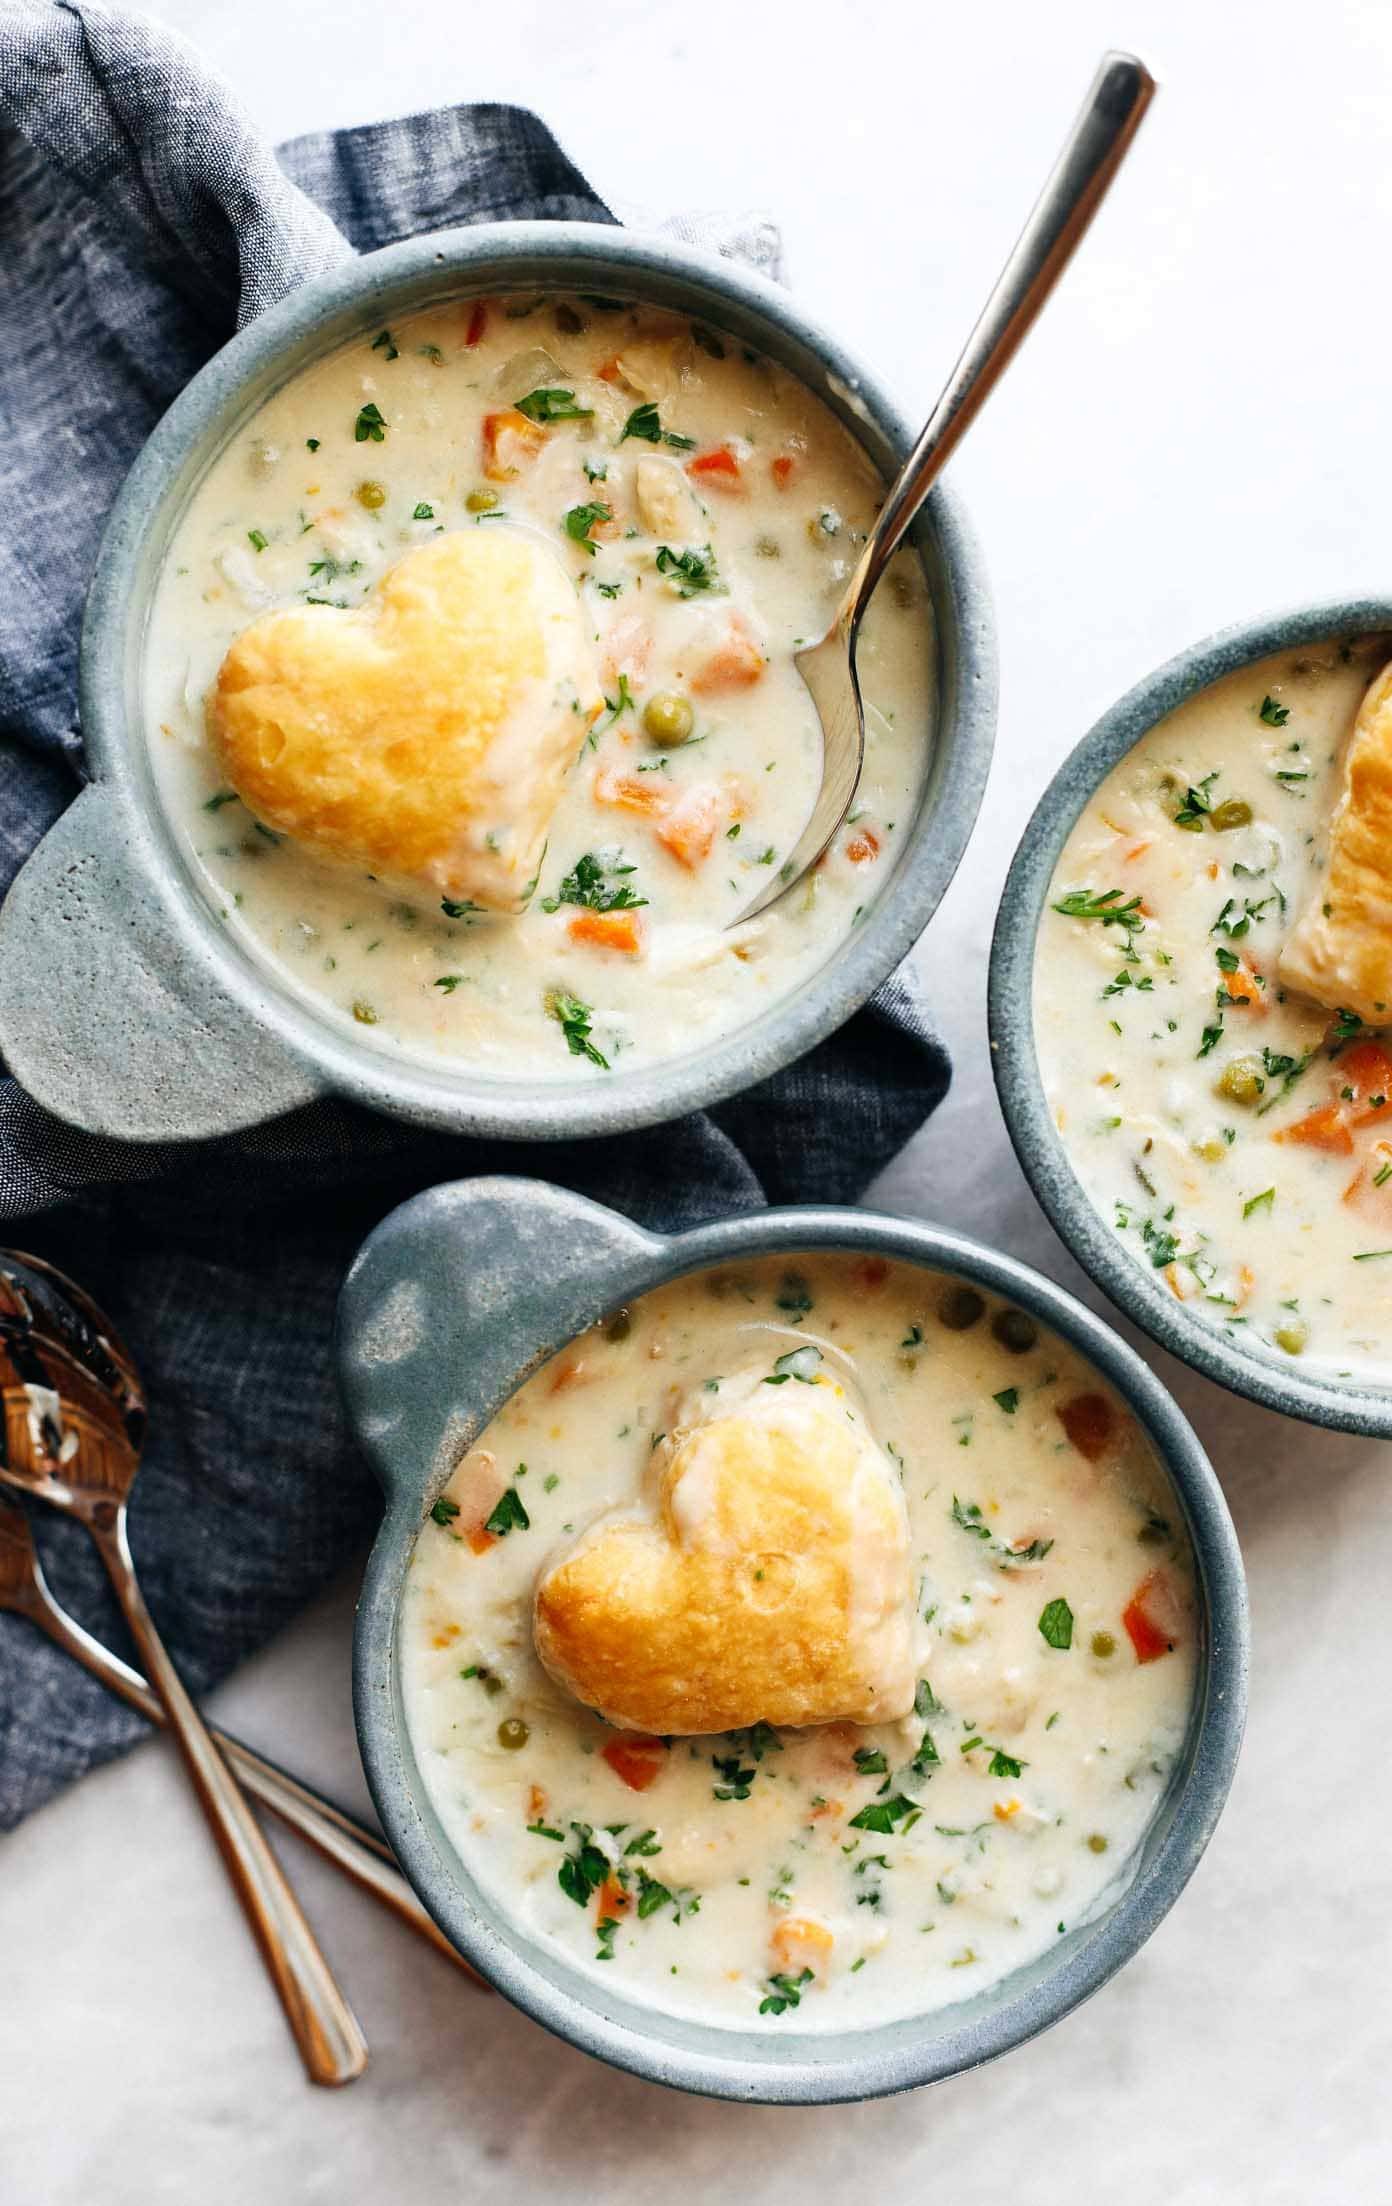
[481,501]
[1015,1331]
[1292,1336]
[1242,1081]
[513,1733]
[667,718]
[371,495]
[1235,813]
[1097,1844]
[1103,1645]
[961,1307]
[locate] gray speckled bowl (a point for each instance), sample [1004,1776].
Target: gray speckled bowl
[1248,1368]
[128,1009]
[452,1302]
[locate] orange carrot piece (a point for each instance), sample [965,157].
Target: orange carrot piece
[1325,1128]
[717,470]
[689,825]
[616,930]
[864,847]
[737,663]
[612,1901]
[510,442]
[782,469]
[1245,990]
[637,1760]
[608,371]
[629,794]
[478,322]
[870,1271]
[480,1539]
[1147,1636]
[1089,1421]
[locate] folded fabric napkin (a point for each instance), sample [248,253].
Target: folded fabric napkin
[141,222]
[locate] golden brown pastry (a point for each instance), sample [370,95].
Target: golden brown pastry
[770,1584]
[1340,948]
[427,736]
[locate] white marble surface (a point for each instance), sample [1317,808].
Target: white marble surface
[1198,432]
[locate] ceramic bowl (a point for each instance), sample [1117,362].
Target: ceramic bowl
[1246,1368]
[125,1006]
[454,1300]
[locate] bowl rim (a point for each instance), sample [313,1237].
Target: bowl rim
[816,2074]
[488,257]
[1014,1054]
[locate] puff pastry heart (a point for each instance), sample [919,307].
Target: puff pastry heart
[426,736]
[770,1583]
[1340,948]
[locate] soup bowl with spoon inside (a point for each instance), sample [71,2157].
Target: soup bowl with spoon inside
[255,894]
[803,1657]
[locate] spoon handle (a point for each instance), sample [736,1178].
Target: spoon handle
[339,1837]
[324,2026]
[1119,96]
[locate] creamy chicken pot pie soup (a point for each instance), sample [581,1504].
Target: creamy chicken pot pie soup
[808,1640]
[1212,994]
[471,690]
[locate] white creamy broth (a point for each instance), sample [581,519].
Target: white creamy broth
[701,560]
[843,1873]
[1226,1127]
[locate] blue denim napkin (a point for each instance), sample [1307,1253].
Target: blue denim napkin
[141,223]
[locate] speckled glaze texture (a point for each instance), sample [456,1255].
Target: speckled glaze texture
[1248,1370]
[112,963]
[453,1301]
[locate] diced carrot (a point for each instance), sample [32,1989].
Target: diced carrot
[510,443]
[717,470]
[782,469]
[628,794]
[477,1486]
[1325,1128]
[607,931]
[1367,1070]
[864,847]
[480,1539]
[536,1803]
[1137,850]
[800,1941]
[608,371]
[1246,1281]
[1089,1421]
[1005,1809]
[821,1807]
[688,826]
[612,1901]
[1147,1636]
[571,1372]
[870,1271]
[737,663]
[637,1760]
[478,322]
[1182,1284]
[1244,990]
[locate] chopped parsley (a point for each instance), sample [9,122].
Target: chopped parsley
[1198,803]
[1008,1399]
[736,1777]
[464,908]
[584,1868]
[549,404]
[1272,714]
[581,519]
[574,1020]
[644,424]
[387,344]
[1263,1201]
[784,1991]
[690,571]
[423,512]
[588,886]
[1104,905]
[1056,1624]
[369,426]
[885,1816]
[508,1515]
[799,1363]
[257,539]
[445,1510]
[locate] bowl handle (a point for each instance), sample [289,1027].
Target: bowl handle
[105,1018]
[456,1298]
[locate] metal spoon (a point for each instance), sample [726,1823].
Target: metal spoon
[1120,94]
[340,1838]
[74,1420]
